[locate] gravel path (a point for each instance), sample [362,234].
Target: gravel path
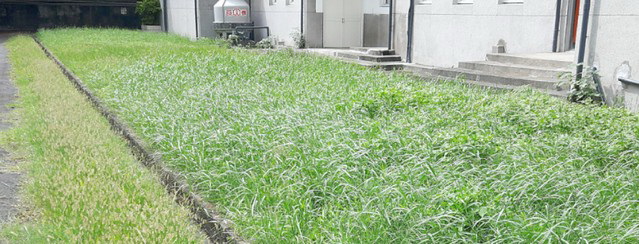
[9,178]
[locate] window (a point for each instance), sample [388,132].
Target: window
[384,3]
[425,2]
[272,2]
[290,2]
[511,1]
[463,1]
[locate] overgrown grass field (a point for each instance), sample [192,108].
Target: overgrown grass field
[83,185]
[299,148]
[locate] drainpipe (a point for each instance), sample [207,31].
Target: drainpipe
[555,37]
[302,17]
[582,42]
[165,16]
[390,26]
[197,34]
[411,20]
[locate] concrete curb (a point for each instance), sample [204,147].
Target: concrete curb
[211,223]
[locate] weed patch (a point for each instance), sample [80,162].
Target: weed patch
[298,148]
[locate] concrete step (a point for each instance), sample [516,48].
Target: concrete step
[387,66]
[515,70]
[498,80]
[368,57]
[360,49]
[537,61]
[383,52]
[381,59]
[377,51]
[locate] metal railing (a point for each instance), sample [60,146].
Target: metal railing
[629,81]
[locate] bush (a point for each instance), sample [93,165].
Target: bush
[585,89]
[299,39]
[149,11]
[266,43]
[234,40]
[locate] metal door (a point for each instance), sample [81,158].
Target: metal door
[343,23]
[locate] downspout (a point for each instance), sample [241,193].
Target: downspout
[411,19]
[390,26]
[555,37]
[197,31]
[302,17]
[582,42]
[165,16]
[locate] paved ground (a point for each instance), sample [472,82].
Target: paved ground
[9,178]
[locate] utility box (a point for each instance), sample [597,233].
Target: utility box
[232,12]
[229,14]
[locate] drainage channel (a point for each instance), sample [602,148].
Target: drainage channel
[211,223]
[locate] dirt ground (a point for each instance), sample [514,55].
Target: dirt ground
[9,177]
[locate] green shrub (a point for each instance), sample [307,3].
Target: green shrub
[299,39]
[149,11]
[585,89]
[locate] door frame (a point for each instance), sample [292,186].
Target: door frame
[361,27]
[568,25]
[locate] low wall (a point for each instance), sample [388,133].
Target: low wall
[30,17]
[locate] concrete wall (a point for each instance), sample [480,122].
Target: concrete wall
[613,40]
[400,28]
[375,23]
[375,30]
[181,17]
[282,18]
[446,34]
[313,23]
[205,18]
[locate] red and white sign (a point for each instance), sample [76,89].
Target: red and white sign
[236,12]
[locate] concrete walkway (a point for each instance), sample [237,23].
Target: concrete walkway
[9,178]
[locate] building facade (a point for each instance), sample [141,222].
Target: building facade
[446,33]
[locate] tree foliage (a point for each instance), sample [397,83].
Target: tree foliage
[149,11]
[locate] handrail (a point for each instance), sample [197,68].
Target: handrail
[629,81]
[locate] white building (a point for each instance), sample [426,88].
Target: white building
[451,33]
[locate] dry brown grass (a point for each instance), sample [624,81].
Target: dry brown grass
[83,183]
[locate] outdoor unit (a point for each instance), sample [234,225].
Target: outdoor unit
[229,14]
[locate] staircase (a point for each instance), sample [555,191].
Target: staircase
[507,71]
[377,57]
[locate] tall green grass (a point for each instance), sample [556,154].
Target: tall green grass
[83,185]
[298,148]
